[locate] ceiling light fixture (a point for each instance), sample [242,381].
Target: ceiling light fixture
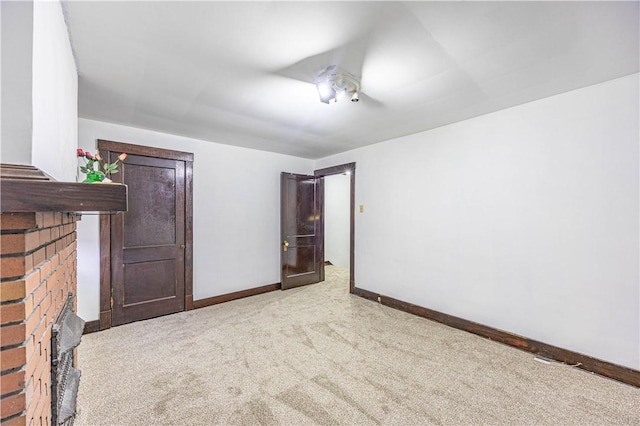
[334,82]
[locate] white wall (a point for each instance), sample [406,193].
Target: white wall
[55,94]
[337,192]
[236,213]
[17,59]
[525,220]
[39,89]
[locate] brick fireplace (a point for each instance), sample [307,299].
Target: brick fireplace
[38,273]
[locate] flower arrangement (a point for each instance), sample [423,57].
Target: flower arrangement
[90,161]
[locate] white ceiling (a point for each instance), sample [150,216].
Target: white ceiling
[241,73]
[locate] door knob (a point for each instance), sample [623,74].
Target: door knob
[285,245]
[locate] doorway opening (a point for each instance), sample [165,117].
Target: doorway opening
[338,217]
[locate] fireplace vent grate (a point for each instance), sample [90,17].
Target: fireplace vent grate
[65,378]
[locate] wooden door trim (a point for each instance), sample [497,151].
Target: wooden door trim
[105,225]
[188,235]
[338,170]
[105,271]
[146,151]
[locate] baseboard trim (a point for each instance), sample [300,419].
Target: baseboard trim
[201,303]
[91,327]
[585,362]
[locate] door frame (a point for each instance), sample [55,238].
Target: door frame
[348,168]
[105,224]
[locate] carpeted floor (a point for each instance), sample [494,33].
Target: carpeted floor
[317,355]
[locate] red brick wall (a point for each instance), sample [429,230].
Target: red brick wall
[37,272]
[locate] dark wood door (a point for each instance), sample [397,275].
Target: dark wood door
[148,241]
[301,233]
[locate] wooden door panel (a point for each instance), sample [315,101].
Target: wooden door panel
[148,240]
[139,288]
[151,224]
[304,218]
[300,231]
[301,260]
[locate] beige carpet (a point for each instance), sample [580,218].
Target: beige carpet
[317,355]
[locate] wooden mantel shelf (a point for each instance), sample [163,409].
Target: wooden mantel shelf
[25,188]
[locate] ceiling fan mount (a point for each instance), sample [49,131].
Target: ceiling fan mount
[334,82]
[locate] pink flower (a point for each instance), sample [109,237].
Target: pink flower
[104,168]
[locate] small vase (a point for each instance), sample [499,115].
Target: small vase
[93,177]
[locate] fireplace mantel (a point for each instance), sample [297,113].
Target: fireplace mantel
[27,189]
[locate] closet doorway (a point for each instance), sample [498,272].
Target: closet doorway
[338,217]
